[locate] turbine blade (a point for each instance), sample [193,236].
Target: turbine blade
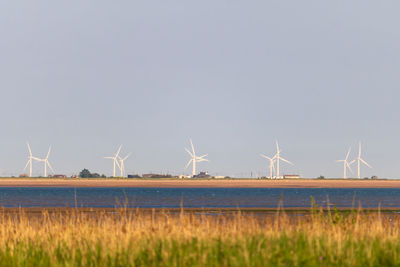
[119,149]
[349,167]
[191,144]
[363,161]
[127,156]
[203,156]
[27,164]
[190,153]
[262,155]
[285,160]
[48,153]
[116,161]
[188,164]
[51,168]
[348,154]
[359,150]
[29,149]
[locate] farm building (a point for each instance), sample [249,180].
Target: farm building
[291,176]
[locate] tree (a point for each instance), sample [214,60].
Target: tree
[85,173]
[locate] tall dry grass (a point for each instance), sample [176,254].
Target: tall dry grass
[159,238]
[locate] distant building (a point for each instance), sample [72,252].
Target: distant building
[134,176]
[219,177]
[202,175]
[59,176]
[291,176]
[23,175]
[155,175]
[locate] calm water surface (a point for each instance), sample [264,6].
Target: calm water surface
[196,197]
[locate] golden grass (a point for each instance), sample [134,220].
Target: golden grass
[160,238]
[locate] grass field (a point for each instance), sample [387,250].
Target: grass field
[160,238]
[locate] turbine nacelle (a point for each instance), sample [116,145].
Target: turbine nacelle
[346,164]
[275,171]
[122,163]
[271,165]
[115,159]
[45,161]
[360,161]
[194,159]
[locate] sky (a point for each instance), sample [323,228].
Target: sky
[87,76]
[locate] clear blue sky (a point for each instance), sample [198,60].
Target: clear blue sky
[86,76]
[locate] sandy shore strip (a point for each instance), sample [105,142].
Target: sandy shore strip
[212,183]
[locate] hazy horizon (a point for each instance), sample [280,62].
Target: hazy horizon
[85,77]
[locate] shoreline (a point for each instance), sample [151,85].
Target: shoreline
[197,183]
[208,210]
[36,212]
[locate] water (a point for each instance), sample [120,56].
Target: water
[197,197]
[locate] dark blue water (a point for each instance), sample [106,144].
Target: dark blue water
[197,197]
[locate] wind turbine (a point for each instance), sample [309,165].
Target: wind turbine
[122,164]
[359,161]
[346,164]
[271,165]
[46,163]
[195,159]
[31,157]
[277,158]
[115,159]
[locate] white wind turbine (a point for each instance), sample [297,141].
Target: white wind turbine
[346,164]
[277,158]
[271,165]
[31,157]
[46,163]
[195,159]
[115,160]
[122,164]
[359,161]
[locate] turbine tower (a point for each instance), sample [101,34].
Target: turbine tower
[271,165]
[346,164]
[277,158]
[46,163]
[30,158]
[359,161]
[115,160]
[122,164]
[194,159]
